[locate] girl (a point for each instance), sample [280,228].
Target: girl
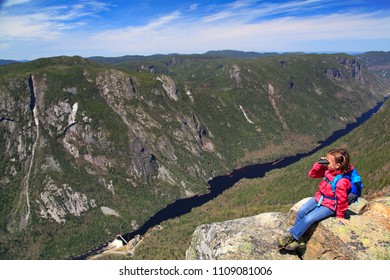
[325,203]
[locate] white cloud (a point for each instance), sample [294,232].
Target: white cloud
[11,3]
[218,16]
[193,7]
[27,27]
[159,26]
[45,23]
[245,11]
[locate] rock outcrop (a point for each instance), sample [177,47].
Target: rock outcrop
[57,201]
[352,68]
[367,237]
[169,86]
[246,238]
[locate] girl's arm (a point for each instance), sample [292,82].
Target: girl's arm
[318,170]
[343,185]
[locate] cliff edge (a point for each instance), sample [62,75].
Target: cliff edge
[367,237]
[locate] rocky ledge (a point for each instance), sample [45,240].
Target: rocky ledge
[367,237]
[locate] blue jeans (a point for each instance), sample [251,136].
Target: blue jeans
[307,215]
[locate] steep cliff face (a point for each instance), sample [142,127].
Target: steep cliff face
[366,238]
[348,68]
[77,138]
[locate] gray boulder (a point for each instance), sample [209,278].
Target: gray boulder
[242,239]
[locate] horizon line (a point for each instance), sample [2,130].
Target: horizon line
[183,54]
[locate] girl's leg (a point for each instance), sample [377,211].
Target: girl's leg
[305,209]
[317,214]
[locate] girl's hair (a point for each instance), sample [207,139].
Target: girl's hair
[341,156]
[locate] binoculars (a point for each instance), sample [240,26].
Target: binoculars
[323,161]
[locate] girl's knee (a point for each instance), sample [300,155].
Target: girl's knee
[310,219]
[300,215]
[303,212]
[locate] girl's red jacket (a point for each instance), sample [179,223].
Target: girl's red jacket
[340,204]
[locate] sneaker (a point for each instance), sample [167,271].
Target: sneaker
[295,245]
[285,240]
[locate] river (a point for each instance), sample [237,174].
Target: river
[221,183]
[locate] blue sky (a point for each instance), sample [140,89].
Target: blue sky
[30,29]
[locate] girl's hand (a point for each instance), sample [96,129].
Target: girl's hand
[342,221]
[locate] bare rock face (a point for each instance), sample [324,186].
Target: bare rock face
[235,74]
[169,86]
[367,237]
[58,201]
[352,68]
[115,84]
